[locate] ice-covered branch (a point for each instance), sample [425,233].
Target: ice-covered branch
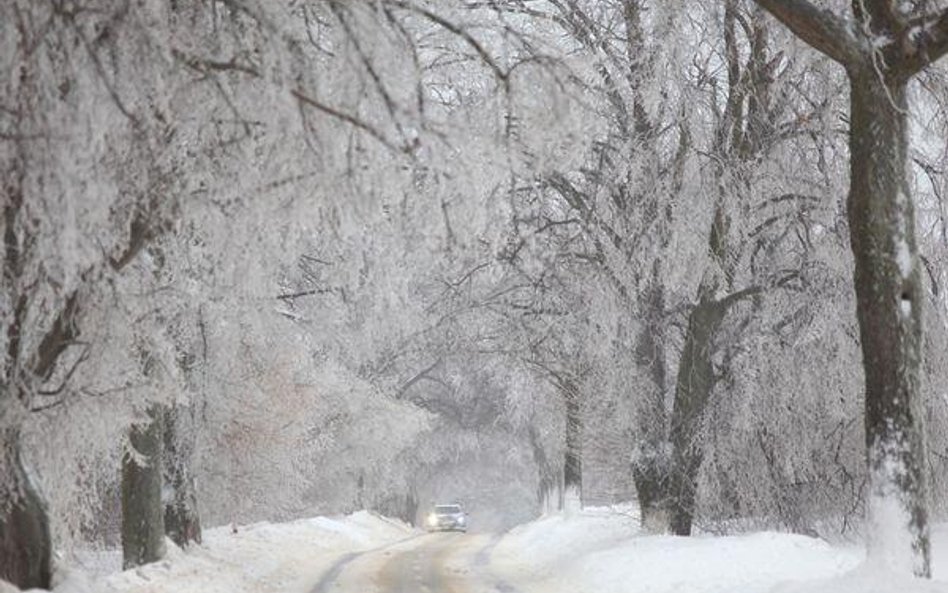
[755,290]
[349,119]
[461,32]
[819,28]
[927,43]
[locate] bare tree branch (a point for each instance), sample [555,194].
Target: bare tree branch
[929,43]
[422,374]
[820,28]
[349,119]
[63,332]
[460,32]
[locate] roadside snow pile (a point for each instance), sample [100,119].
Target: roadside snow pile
[552,540]
[602,551]
[259,558]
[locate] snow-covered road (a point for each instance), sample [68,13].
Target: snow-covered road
[429,563]
[592,551]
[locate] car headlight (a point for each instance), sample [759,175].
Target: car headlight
[461,520]
[432,520]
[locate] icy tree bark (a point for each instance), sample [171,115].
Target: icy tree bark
[887,48]
[182,521]
[573,463]
[24,526]
[889,305]
[693,389]
[570,488]
[650,467]
[547,477]
[25,543]
[143,528]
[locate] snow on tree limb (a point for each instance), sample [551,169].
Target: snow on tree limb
[927,43]
[820,28]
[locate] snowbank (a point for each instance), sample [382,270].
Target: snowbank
[259,558]
[554,539]
[592,551]
[602,551]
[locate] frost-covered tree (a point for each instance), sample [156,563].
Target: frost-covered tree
[65,237]
[751,122]
[118,126]
[327,255]
[882,46]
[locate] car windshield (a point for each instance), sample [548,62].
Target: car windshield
[447,509]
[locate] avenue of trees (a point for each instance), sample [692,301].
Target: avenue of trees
[265,260]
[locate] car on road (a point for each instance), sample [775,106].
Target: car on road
[447,517]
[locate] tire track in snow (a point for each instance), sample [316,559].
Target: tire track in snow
[482,558]
[331,576]
[455,565]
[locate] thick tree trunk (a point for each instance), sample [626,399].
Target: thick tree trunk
[881,56]
[182,521]
[573,463]
[692,391]
[143,528]
[25,547]
[889,308]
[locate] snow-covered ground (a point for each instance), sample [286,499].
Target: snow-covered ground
[603,551]
[259,558]
[592,551]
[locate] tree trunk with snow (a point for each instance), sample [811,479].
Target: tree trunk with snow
[182,521]
[650,475]
[25,543]
[693,389]
[143,528]
[651,463]
[547,477]
[25,548]
[881,54]
[889,305]
[573,463]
